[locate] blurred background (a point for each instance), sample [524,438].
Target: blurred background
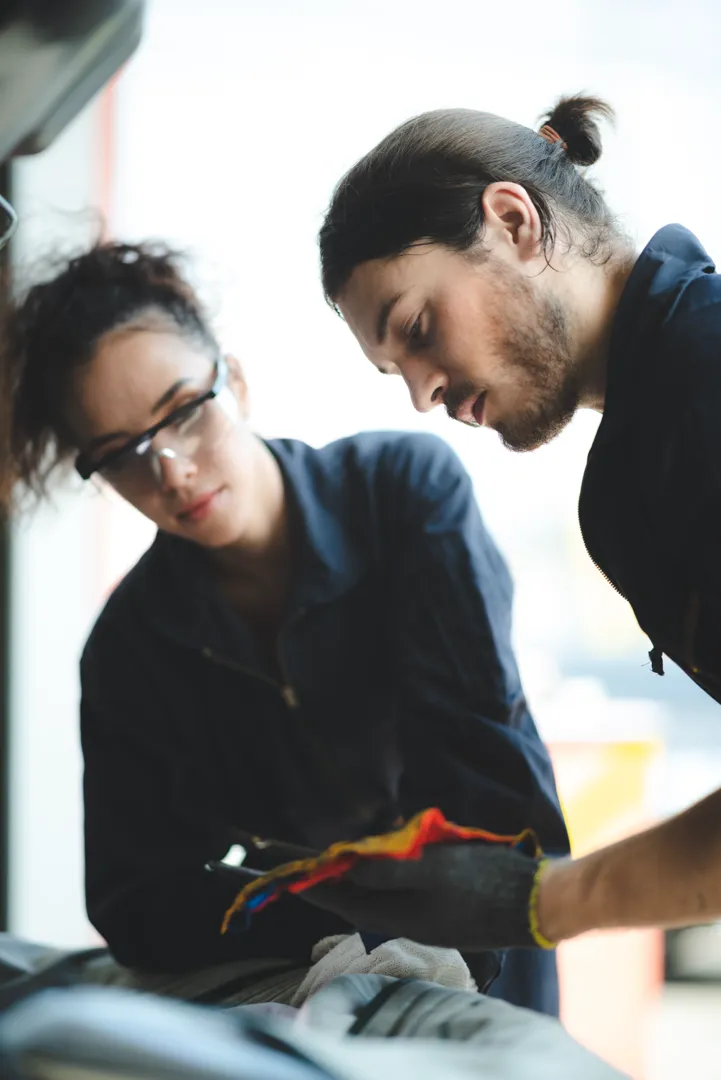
[224,135]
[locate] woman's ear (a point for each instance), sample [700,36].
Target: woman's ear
[237,383]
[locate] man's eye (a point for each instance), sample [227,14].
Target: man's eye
[415,331]
[417,334]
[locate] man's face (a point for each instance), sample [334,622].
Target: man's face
[471,332]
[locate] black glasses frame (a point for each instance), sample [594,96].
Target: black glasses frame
[86,467]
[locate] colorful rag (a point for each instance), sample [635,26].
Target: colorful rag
[406,842]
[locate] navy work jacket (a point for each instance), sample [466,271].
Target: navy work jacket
[650,506]
[395,688]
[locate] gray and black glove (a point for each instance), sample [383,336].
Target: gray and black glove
[471,896]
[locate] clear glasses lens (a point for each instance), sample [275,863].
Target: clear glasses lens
[201,427]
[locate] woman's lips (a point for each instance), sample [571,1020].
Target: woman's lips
[200,509]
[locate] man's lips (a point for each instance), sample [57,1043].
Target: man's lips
[471,410]
[479,408]
[198,509]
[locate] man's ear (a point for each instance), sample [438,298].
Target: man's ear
[511,220]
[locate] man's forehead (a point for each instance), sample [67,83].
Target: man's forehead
[377,279]
[372,288]
[358,320]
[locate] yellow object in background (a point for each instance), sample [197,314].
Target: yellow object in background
[610,980]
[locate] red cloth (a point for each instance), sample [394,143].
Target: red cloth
[407,842]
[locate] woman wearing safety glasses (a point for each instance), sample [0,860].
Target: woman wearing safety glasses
[316,644]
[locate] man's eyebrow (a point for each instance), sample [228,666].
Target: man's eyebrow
[384,315]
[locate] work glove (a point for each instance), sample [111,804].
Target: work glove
[470,896]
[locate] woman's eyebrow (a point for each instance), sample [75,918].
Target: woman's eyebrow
[170,394]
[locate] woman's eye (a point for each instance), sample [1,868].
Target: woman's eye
[116,463]
[186,417]
[415,331]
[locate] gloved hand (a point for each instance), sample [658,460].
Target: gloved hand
[471,896]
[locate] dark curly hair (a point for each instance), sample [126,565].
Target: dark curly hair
[56,326]
[425,182]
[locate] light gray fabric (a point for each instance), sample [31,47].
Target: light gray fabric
[242,982]
[358,1027]
[95,1034]
[99,1034]
[26,967]
[399,958]
[19,957]
[421,1031]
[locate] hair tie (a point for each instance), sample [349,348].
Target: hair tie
[551,135]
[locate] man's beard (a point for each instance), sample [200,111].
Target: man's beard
[542,355]
[537,349]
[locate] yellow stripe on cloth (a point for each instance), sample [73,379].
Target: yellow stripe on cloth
[407,842]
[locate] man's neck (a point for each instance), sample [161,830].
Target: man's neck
[598,298]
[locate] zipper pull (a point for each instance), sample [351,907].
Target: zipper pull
[289,696]
[656,658]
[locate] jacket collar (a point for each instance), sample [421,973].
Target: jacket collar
[332,556]
[177,592]
[672,259]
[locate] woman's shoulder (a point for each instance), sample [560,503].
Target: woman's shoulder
[373,467]
[415,460]
[369,452]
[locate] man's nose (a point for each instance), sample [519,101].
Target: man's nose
[426,384]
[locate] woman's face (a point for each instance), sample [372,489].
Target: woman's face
[205,480]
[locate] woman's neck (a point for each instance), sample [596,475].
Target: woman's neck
[265,538]
[255,571]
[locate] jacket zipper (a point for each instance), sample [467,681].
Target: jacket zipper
[601,571]
[286,691]
[284,688]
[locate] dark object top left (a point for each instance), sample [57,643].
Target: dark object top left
[54,58]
